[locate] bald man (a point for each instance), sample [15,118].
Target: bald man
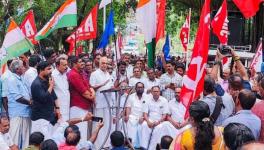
[101,80]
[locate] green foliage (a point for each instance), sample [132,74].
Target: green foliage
[176,12]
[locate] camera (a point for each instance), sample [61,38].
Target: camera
[225,50]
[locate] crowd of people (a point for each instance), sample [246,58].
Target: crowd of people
[49,102]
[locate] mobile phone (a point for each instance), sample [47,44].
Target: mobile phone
[97,119]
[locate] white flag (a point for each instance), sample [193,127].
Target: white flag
[104,3]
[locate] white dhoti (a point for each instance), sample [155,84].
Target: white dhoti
[165,128]
[133,129]
[20,131]
[76,112]
[43,126]
[150,137]
[65,110]
[104,113]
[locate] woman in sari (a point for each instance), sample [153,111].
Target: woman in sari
[203,135]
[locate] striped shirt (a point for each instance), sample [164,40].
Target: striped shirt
[167,79]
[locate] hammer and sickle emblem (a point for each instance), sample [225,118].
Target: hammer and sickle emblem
[190,83]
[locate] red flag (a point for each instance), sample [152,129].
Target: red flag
[193,81]
[28,27]
[249,8]
[220,24]
[257,60]
[185,31]
[86,30]
[161,5]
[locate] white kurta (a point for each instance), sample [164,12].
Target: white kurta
[155,109]
[99,77]
[61,89]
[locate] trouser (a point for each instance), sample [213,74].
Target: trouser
[20,131]
[43,126]
[104,113]
[76,112]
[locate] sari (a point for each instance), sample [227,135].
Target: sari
[186,140]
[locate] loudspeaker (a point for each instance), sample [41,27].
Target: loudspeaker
[236,27]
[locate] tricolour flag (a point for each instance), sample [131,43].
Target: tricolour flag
[28,27]
[15,43]
[257,60]
[249,8]
[86,30]
[185,32]
[66,16]
[146,19]
[193,81]
[160,35]
[220,24]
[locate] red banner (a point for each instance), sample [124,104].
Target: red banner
[86,30]
[220,24]
[184,33]
[28,27]
[193,81]
[249,8]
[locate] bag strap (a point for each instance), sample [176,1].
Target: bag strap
[217,109]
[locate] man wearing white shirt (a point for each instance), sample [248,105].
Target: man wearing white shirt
[176,116]
[61,87]
[100,80]
[137,77]
[31,74]
[129,67]
[151,80]
[134,113]
[155,111]
[6,142]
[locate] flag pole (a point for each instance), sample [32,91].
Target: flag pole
[188,42]
[75,42]
[104,17]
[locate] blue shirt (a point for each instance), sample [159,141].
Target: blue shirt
[17,89]
[226,111]
[247,118]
